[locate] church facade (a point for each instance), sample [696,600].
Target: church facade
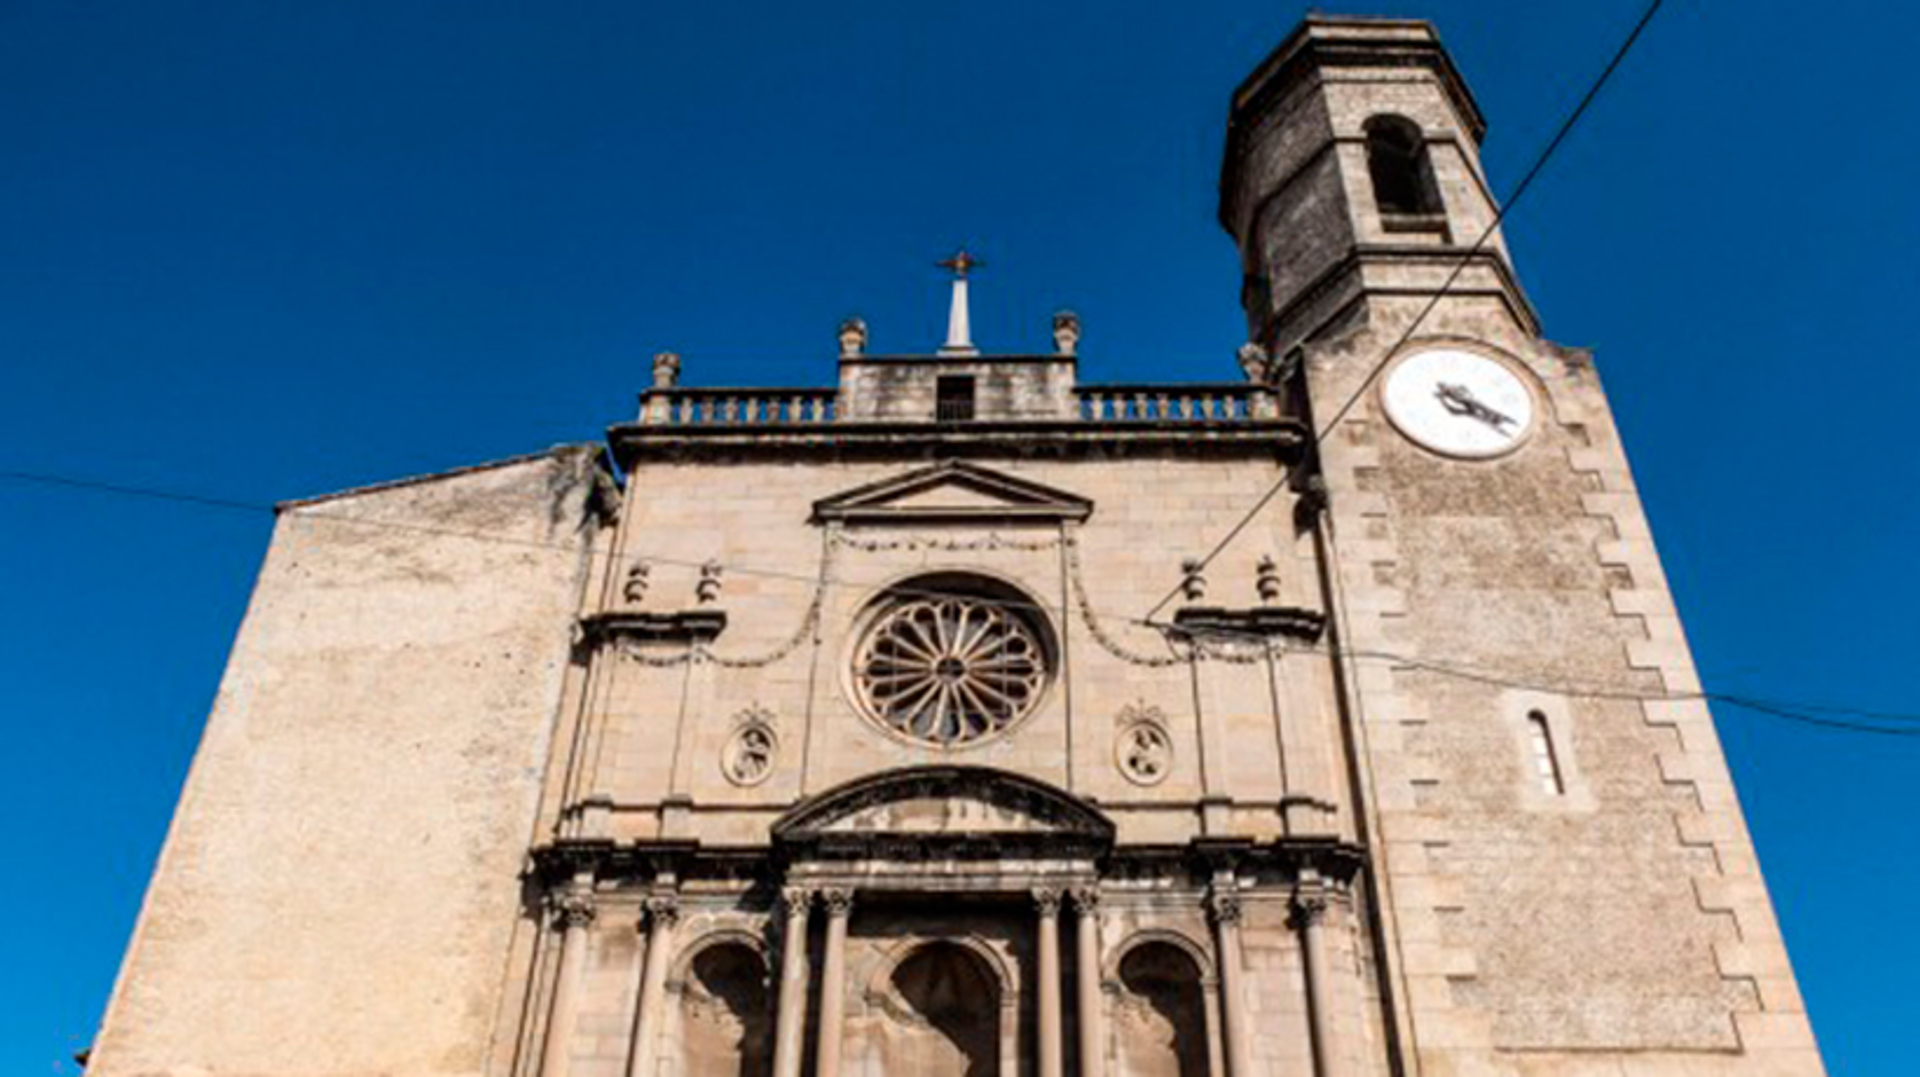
[908,725]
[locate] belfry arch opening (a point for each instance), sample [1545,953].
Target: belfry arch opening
[1401,169]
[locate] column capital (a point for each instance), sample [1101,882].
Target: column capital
[572,908]
[1086,900]
[661,909]
[1309,906]
[797,899]
[1224,907]
[1047,898]
[837,900]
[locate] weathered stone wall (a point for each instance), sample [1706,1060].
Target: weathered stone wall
[785,653]
[1626,915]
[1303,229]
[338,890]
[1026,388]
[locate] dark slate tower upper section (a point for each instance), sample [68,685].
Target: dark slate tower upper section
[1352,174]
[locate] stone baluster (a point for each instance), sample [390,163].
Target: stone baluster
[833,986]
[1224,905]
[1048,975]
[788,1031]
[1086,906]
[662,912]
[573,912]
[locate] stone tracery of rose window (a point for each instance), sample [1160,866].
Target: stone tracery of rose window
[950,668]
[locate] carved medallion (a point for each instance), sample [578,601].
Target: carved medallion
[749,755]
[1143,750]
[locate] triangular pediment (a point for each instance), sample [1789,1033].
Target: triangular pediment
[950,492]
[951,801]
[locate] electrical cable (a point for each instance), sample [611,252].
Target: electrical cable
[1790,711]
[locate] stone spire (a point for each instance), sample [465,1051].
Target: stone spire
[959,327]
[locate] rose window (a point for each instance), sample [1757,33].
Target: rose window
[951,669]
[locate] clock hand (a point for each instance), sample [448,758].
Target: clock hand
[1459,400]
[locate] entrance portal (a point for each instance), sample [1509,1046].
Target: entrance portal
[953,1027]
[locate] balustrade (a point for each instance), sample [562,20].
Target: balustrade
[1198,403]
[738,407]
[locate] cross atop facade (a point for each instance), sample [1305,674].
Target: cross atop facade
[961,262]
[959,320]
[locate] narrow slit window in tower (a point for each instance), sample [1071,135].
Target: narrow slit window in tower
[1546,761]
[953,398]
[1403,183]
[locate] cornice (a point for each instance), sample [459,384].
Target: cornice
[1259,621]
[637,865]
[1362,255]
[683,625]
[1069,438]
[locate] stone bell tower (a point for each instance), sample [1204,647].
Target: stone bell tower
[1561,879]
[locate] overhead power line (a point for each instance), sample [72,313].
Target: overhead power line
[1822,715]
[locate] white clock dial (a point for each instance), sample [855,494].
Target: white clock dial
[1458,402]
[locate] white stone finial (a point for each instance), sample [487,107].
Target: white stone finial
[1066,332]
[853,337]
[1254,362]
[959,322]
[666,370]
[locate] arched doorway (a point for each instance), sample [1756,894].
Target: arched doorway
[950,1026]
[726,1028]
[1160,1019]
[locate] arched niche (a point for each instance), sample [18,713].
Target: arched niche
[1161,1017]
[724,1009]
[951,1010]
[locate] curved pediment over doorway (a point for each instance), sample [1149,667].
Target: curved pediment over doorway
[951,810]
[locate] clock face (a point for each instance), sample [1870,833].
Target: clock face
[1458,402]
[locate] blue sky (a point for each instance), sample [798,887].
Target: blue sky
[260,251]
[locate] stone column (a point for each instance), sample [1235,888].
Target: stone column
[1224,904]
[661,911]
[573,912]
[1048,975]
[788,1026]
[833,983]
[1309,914]
[1086,938]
